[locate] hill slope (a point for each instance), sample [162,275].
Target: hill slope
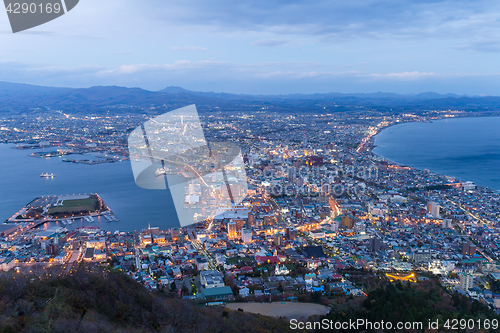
[104,301]
[25,98]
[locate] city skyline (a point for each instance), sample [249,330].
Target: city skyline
[247,166]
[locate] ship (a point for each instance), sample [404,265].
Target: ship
[88,229]
[163,171]
[47,175]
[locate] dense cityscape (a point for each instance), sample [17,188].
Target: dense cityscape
[325,218]
[250,166]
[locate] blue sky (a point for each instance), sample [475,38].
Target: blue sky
[263,47]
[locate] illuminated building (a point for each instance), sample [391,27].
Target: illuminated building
[175,232]
[278,239]
[397,277]
[232,230]
[269,219]
[421,256]
[468,185]
[211,279]
[251,219]
[239,224]
[246,236]
[281,270]
[441,267]
[433,209]
[315,234]
[466,281]
[314,161]
[291,233]
[347,222]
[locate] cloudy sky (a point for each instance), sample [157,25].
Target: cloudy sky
[264,47]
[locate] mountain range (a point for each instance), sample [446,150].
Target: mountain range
[16,97]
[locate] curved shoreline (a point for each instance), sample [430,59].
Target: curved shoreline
[372,148]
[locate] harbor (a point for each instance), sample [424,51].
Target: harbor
[62,211]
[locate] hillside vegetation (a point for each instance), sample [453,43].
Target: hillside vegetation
[106,301]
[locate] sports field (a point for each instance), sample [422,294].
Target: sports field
[74,206]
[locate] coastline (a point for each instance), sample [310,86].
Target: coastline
[373,146]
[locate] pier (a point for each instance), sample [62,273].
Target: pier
[62,209]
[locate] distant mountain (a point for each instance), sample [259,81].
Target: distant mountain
[175,90]
[8,89]
[22,98]
[318,97]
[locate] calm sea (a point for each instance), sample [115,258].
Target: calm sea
[20,182]
[465,148]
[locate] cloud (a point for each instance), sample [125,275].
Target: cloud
[488,46]
[188,48]
[261,78]
[415,75]
[335,20]
[270,42]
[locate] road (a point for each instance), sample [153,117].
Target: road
[72,259]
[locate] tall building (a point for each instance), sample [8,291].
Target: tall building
[251,219]
[421,256]
[239,224]
[374,244]
[51,250]
[468,248]
[278,239]
[291,173]
[299,181]
[348,222]
[433,209]
[291,233]
[446,224]
[232,230]
[314,161]
[466,281]
[246,235]
[468,186]
[269,219]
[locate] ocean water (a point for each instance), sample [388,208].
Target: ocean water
[465,148]
[20,182]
